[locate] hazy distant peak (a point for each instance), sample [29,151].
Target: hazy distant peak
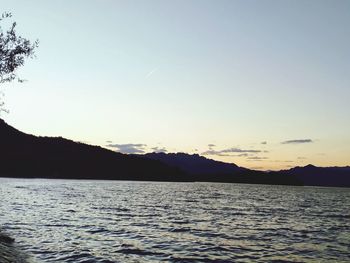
[194,163]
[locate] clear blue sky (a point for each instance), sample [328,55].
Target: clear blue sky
[245,76]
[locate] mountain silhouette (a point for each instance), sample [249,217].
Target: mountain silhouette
[321,176]
[195,164]
[28,156]
[203,169]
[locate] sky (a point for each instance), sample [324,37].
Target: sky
[262,84]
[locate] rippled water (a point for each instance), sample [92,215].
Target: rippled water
[113,221]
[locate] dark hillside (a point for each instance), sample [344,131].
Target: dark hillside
[29,156]
[321,176]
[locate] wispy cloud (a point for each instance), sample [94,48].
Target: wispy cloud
[238,150]
[299,141]
[159,149]
[229,152]
[214,152]
[257,158]
[242,155]
[128,148]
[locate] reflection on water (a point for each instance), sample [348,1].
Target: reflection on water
[104,221]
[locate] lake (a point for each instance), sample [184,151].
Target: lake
[120,221]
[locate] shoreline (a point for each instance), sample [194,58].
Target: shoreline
[174,181]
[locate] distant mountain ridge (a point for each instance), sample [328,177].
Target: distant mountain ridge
[27,156]
[200,168]
[308,175]
[321,176]
[195,164]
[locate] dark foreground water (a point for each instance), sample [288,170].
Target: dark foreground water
[105,221]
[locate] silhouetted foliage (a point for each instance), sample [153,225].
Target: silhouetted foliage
[14,50]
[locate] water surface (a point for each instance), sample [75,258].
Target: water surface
[116,221]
